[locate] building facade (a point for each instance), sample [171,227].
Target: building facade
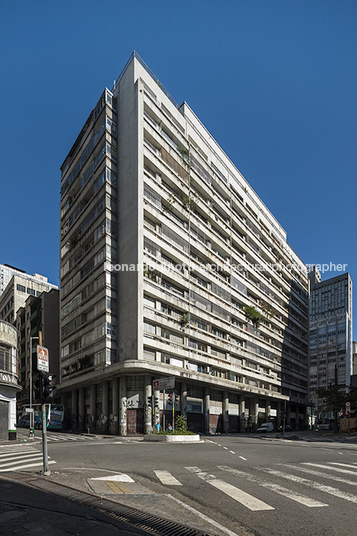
[9,386]
[40,314]
[172,267]
[330,342]
[6,273]
[18,289]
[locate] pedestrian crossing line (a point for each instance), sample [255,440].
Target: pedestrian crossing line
[344,465]
[29,459]
[320,474]
[16,453]
[298,497]
[18,468]
[338,469]
[19,457]
[310,483]
[166,478]
[250,502]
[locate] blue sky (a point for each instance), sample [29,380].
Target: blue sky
[274,81]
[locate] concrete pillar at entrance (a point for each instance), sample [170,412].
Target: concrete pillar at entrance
[254,412]
[148,406]
[268,411]
[92,407]
[183,404]
[74,417]
[241,414]
[81,409]
[115,395]
[156,408]
[225,410]
[279,414]
[122,406]
[288,418]
[105,406]
[206,406]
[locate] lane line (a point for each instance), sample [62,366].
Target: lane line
[310,483]
[250,502]
[166,478]
[294,496]
[242,458]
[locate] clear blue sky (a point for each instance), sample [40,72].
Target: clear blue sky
[274,81]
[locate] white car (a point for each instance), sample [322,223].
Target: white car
[266,427]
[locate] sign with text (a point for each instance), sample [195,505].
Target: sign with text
[163,384]
[43,361]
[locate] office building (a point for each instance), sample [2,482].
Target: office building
[172,267]
[330,314]
[6,273]
[40,314]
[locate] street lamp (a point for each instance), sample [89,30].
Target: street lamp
[31,430]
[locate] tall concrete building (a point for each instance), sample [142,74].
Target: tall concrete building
[330,314]
[172,268]
[18,289]
[6,273]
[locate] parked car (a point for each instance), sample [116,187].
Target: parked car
[266,427]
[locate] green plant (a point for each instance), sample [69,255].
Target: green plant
[181,425]
[185,319]
[252,315]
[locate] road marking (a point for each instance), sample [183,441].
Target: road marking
[226,448]
[338,469]
[121,477]
[18,457]
[235,493]
[166,478]
[232,452]
[203,516]
[242,458]
[30,458]
[24,466]
[17,452]
[319,473]
[343,464]
[310,483]
[302,499]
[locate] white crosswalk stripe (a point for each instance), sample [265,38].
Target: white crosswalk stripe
[21,458]
[166,478]
[68,437]
[325,466]
[321,474]
[293,495]
[235,493]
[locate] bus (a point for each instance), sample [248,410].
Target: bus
[55,416]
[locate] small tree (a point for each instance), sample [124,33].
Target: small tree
[181,425]
[252,314]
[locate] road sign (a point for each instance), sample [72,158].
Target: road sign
[43,361]
[348,406]
[163,383]
[29,410]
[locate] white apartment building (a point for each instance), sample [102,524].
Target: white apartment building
[6,273]
[330,332]
[167,258]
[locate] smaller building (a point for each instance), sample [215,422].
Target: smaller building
[39,314]
[9,386]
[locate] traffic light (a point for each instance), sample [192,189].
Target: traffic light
[48,386]
[156,402]
[149,402]
[169,399]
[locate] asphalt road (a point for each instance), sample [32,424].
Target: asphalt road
[271,487]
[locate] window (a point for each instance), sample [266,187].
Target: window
[21,288]
[31,291]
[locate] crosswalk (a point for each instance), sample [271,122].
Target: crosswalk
[312,485]
[20,458]
[57,436]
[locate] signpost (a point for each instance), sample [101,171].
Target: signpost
[43,362]
[43,366]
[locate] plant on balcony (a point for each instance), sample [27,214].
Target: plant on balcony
[252,315]
[185,319]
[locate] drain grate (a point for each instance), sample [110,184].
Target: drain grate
[147,522]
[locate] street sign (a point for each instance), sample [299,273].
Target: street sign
[29,410]
[163,384]
[43,361]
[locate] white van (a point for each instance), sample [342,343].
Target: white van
[266,427]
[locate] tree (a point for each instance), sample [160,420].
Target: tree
[252,314]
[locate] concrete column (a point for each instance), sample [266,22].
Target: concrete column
[148,406]
[81,409]
[225,411]
[254,412]
[156,408]
[92,407]
[115,394]
[279,413]
[268,411]
[288,418]
[206,407]
[105,406]
[122,406]
[74,418]
[183,402]
[241,414]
